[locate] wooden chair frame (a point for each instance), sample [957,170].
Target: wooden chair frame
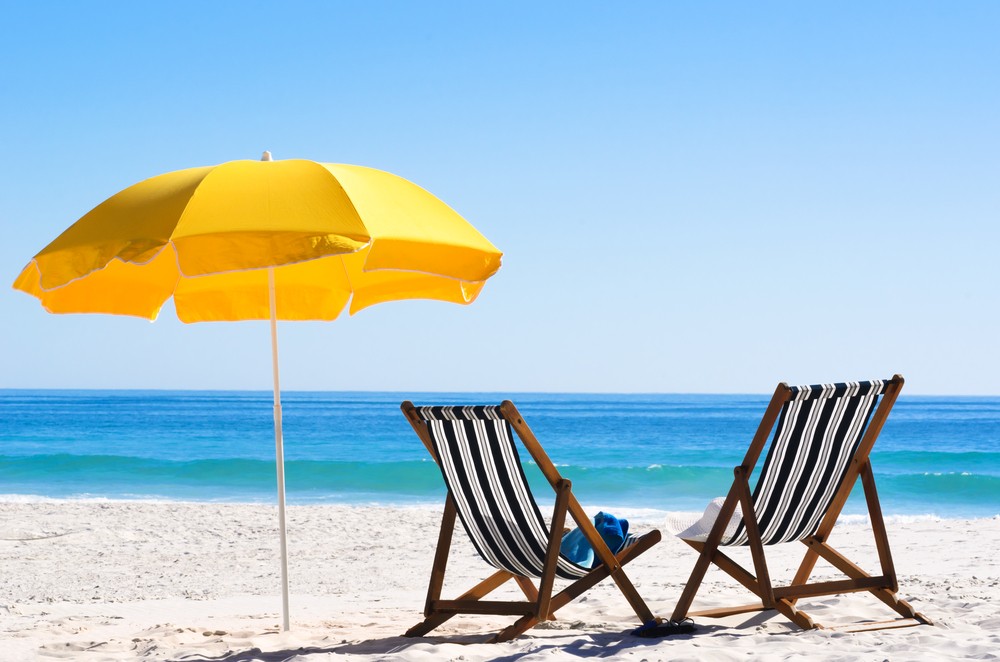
[540,603]
[783,598]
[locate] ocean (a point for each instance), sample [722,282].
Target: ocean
[936,455]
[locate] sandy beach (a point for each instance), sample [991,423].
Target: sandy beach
[184,581]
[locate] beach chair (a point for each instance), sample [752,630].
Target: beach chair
[820,448]
[487,489]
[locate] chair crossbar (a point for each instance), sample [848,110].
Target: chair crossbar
[496,607]
[830,588]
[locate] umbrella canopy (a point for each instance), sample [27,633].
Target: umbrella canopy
[205,236]
[253,240]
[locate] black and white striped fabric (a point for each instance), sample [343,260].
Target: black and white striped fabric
[817,435]
[482,470]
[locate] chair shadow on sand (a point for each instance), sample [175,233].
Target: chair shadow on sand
[256,655]
[596,645]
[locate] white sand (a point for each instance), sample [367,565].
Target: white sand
[167,581]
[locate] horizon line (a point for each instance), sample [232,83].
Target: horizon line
[450,392]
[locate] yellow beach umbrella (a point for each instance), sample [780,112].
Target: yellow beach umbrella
[253,240]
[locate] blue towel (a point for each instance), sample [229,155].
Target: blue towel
[577,549]
[612,529]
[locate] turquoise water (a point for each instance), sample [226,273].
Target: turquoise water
[936,455]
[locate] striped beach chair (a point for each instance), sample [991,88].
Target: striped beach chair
[821,447]
[487,489]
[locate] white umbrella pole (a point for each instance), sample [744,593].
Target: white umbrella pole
[279,450]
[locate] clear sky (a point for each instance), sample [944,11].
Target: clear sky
[690,196]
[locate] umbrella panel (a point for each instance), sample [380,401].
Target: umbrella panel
[314,290]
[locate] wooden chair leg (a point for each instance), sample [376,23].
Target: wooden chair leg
[601,572]
[806,567]
[527,587]
[579,587]
[632,595]
[784,606]
[561,599]
[433,617]
[883,593]
[693,582]
[708,549]
[441,554]
[797,616]
[479,591]
[548,577]
[820,548]
[516,629]
[531,593]
[878,526]
[753,535]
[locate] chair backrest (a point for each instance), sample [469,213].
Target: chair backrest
[482,469]
[816,438]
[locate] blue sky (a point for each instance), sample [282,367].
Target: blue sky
[691,197]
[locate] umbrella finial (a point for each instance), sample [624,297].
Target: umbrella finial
[266,156]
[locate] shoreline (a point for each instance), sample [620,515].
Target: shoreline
[642,512]
[122,580]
